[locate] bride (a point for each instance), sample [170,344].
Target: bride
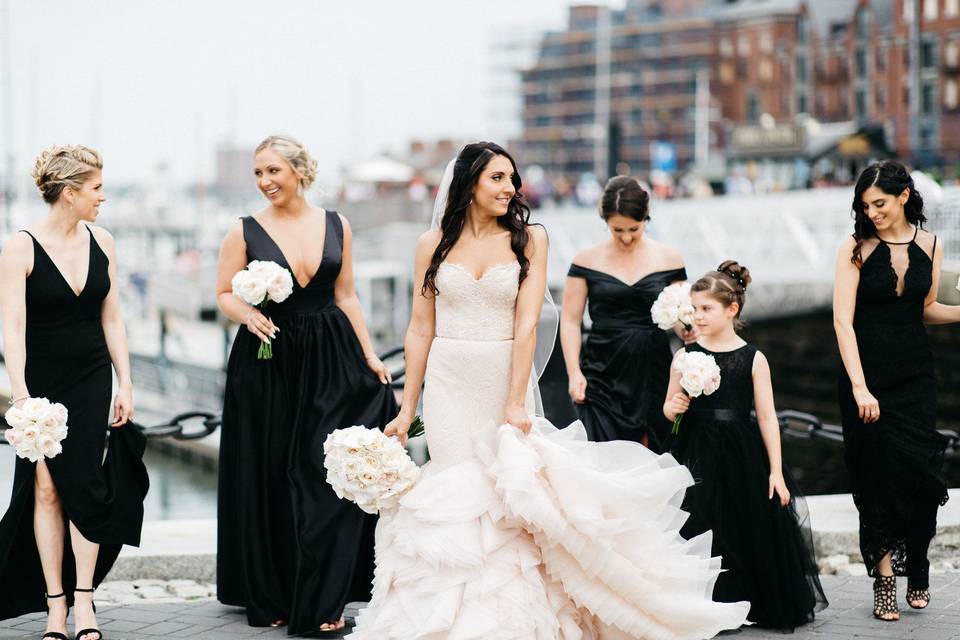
[515,529]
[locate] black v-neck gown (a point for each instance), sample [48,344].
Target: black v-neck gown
[68,362]
[896,463]
[288,548]
[626,358]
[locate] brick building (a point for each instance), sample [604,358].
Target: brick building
[786,81]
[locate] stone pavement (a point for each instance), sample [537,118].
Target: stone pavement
[849,616]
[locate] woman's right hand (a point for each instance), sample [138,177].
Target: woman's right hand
[260,325]
[678,404]
[398,427]
[578,388]
[867,405]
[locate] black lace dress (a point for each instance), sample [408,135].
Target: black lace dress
[895,464]
[767,549]
[287,547]
[626,358]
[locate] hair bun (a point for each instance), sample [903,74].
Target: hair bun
[735,270]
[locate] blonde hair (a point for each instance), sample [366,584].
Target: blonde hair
[63,166]
[726,285]
[296,155]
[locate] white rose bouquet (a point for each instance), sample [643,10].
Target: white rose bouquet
[699,375]
[260,283]
[37,428]
[368,468]
[673,306]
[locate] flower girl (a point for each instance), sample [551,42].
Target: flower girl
[743,493]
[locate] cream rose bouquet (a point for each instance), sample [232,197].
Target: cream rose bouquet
[259,284]
[699,375]
[673,306]
[37,427]
[368,468]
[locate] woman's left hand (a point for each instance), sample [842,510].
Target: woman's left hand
[778,486]
[123,406]
[517,416]
[377,366]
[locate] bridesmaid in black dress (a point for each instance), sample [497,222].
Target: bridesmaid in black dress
[288,549]
[619,380]
[887,277]
[62,329]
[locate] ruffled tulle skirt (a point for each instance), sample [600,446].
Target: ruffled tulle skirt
[545,536]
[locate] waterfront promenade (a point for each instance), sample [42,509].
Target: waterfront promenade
[849,616]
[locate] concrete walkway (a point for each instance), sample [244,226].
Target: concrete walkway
[848,616]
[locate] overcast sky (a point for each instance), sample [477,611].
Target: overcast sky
[146,81]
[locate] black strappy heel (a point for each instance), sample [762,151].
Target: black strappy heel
[56,635]
[923,595]
[885,598]
[84,632]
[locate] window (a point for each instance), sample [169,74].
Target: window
[766,42]
[801,103]
[753,107]
[726,47]
[951,94]
[881,98]
[951,54]
[928,54]
[802,29]
[765,70]
[743,45]
[861,58]
[863,24]
[927,98]
[951,8]
[861,101]
[881,59]
[801,69]
[930,9]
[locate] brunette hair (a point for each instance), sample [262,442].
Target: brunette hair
[728,284]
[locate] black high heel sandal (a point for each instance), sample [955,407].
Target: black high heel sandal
[885,598]
[56,635]
[84,632]
[923,595]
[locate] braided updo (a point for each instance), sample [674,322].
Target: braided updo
[728,284]
[296,155]
[63,166]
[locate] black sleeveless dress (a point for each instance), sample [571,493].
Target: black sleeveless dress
[288,548]
[626,358]
[68,362]
[767,549]
[895,464]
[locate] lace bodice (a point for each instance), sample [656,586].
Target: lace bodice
[477,308]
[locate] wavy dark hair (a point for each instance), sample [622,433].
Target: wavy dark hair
[892,178]
[468,166]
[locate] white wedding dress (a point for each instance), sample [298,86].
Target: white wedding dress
[538,537]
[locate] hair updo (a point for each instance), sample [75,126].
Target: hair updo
[728,284]
[63,166]
[892,178]
[624,196]
[296,155]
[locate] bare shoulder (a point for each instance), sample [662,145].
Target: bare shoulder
[588,257]
[760,362]
[428,241]
[670,256]
[926,240]
[538,241]
[18,250]
[104,237]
